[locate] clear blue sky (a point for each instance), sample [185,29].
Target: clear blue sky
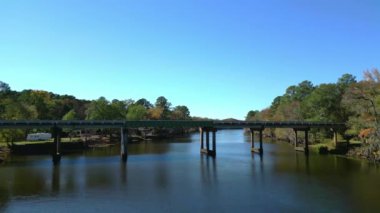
[220,58]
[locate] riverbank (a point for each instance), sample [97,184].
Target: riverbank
[41,148]
[353,149]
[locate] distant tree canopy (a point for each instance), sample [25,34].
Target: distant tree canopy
[180,113]
[4,87]
[145,103]
[70,115]
[43,105]
[136,112]
[347,100]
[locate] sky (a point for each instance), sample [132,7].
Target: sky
[221,58]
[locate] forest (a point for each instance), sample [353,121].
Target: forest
[43,105]
[353,102]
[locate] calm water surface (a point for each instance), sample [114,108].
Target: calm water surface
[174,177]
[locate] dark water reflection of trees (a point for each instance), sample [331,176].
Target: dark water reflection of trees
[166,167]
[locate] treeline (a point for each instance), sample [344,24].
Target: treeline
[43,105]
[348,100]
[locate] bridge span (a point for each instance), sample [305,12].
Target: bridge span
[205,128]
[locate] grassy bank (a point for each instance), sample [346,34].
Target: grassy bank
[329,146]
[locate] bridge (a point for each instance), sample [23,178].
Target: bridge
[205,128]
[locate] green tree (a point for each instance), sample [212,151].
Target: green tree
[181,113]
[251,115]
[145,103]
[70,115]
[162,104]
[136,112]
[42,100]
[4,87]
[276,102]
[345,81]
[99,110]
[323,104]
[13,110]
[118,109]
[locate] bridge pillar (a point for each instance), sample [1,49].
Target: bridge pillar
[123,144]
[306,141]
[207,150]
[201,138]
[56,152]
[260,149]
[213,151]
[335,137]
[207,140]
[306,144]
[261,141]
[203,130]
[296,139]
[252,139]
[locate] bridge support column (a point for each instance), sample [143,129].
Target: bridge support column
[207,150]
[203,130]
[252,139]
[260,149]
[201,138]
[56,152]
[213,151]
[261,141]
[335,137]
[306,144]
[207,140]
[123,144]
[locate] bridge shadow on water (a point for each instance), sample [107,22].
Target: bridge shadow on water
[208,170]
[302,163]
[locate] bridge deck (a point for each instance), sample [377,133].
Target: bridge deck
[162,123]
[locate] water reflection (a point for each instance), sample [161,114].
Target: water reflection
[208,170]
[123,173]
[56,177]
[161,176]
[302,162]
[157,173]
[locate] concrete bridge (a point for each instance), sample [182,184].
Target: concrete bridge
[205,128]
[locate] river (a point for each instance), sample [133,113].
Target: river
[172,176]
